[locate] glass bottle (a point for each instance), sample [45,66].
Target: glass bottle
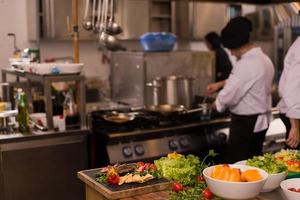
[23,115]
[70,111]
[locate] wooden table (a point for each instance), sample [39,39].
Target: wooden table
[160,191]
[162,195]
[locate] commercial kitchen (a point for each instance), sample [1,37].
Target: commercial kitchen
[90,88]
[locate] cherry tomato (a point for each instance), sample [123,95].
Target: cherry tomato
[207,193]
[140,164]
[153,167]
[141,168]
[147,165]
[113,179]
[200,179]
[177,187]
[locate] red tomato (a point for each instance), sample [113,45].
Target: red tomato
[153,167]
[113,179]
[147,165]
[207,193]
[177,187]
[141,168]
[140,164]
[200,179]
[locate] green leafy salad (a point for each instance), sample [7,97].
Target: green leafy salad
[179,167]
[267,162]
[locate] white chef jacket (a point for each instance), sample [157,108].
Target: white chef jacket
[289,84]
[248,88]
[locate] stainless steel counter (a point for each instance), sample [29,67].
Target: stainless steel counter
[36,135]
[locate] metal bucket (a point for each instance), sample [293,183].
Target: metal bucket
[173,90]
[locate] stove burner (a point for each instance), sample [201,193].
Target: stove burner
[148,136]
[145,120]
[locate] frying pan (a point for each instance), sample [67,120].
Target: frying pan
[118,117]
[169,109]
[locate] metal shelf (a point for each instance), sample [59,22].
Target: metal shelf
[46,81]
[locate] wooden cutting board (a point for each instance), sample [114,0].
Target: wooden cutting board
[118,192]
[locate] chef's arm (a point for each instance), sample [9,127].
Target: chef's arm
[232,93]
[294,135]
[214,87]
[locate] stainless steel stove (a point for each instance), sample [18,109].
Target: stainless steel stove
[149,136]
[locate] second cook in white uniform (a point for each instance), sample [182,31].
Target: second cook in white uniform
[246,92]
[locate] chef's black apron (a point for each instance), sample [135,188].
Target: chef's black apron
[243,142]
[287,125]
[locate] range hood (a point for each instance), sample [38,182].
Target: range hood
[259,2]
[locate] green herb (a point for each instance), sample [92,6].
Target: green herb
[193,193]
[101,177]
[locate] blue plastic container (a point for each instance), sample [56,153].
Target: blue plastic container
[158,41]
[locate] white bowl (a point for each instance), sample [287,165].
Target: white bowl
[235,190]
[291,183]
[242,162]
[273,180]
[70,68]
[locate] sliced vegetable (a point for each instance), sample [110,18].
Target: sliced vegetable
[226,173]
[251,175]
[135,172]
[268,162]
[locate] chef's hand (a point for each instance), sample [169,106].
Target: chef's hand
[294,137]
[212,88]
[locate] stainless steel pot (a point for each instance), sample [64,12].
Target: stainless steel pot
[174,90]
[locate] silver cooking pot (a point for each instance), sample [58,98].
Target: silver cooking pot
[173,90]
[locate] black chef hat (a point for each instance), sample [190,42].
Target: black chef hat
[236,33]
[214,39]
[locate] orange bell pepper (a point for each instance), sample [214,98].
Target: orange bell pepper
[251,175]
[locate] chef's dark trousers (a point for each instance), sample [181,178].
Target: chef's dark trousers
[287,125]
[243,142]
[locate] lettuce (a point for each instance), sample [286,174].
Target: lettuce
[268,163]
[179,168]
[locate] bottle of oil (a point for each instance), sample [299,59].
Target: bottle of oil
[23,115]
[70,111]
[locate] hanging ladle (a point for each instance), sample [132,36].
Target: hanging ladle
[103,35]
[93,14]
[98,25]
[87,24]
[113,28]
[107,41]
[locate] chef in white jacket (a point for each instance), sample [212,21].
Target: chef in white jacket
[289,91]
[246,92]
